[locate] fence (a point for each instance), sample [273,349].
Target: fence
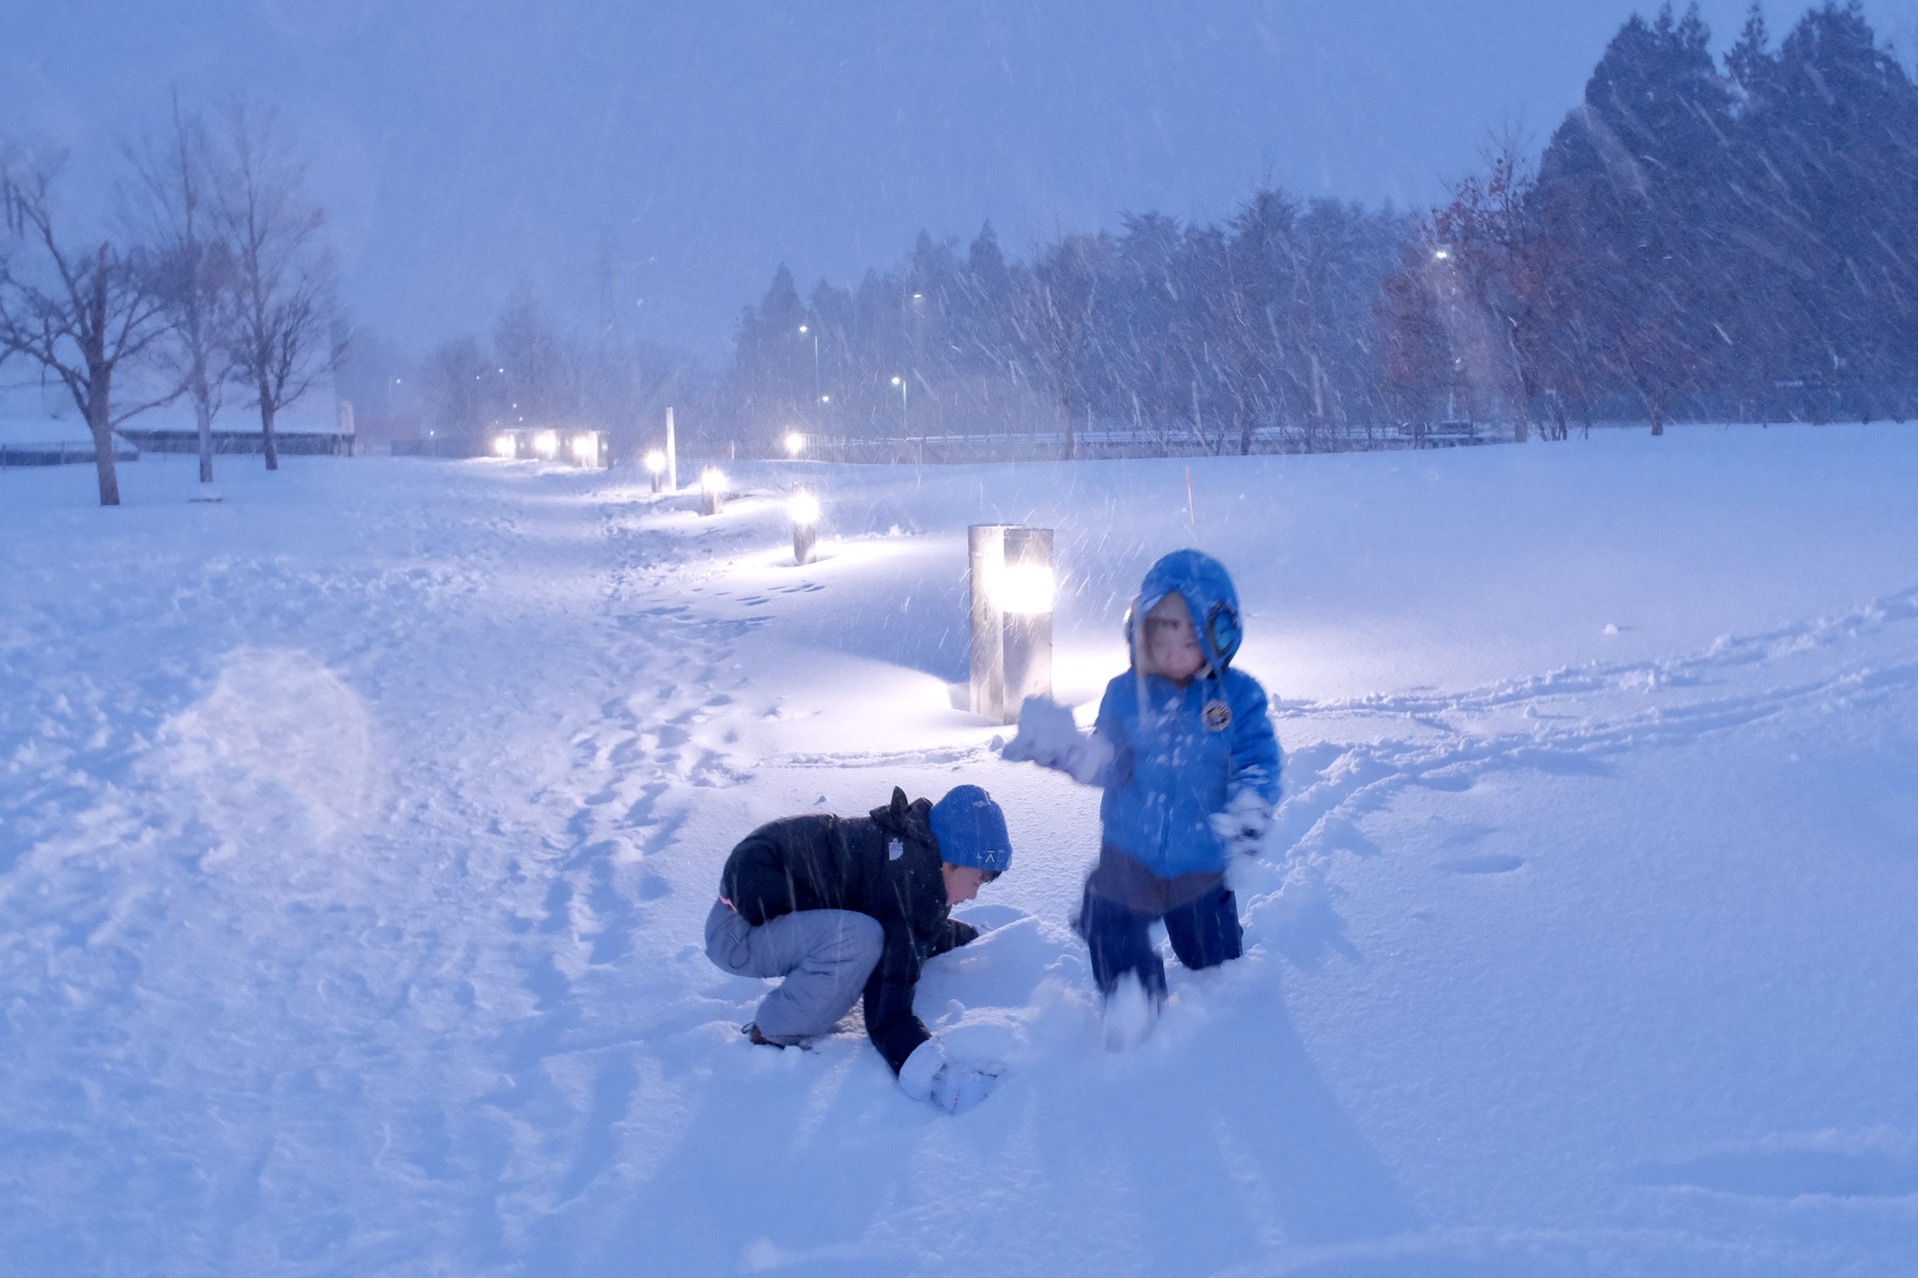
[290,443]
[57,453]
[1103,442]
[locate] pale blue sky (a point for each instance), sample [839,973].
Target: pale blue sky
[464,145]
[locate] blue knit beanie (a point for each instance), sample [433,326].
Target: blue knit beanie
[971,830]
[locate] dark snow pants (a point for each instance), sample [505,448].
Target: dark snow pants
[1204,933]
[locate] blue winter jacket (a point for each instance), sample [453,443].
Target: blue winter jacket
[1182,754]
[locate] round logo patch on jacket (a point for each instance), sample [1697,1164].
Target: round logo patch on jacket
[1218,716]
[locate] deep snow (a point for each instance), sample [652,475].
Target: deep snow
[356,832]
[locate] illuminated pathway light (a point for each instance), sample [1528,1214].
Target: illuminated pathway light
[804,509]
[1012,588]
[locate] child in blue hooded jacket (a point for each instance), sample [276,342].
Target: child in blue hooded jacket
[1186,755]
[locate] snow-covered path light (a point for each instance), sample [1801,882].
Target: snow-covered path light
[795,444]
[804,509]
[672,454]
[1011,587]
[656,467]
[712,491]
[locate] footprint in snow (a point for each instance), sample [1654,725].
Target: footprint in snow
[1484,864]
[1788,1173]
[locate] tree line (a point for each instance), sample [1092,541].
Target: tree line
[1735,240]
[212,280]
[530,371]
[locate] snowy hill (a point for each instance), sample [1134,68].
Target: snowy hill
[356,833]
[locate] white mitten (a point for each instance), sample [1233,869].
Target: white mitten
[952,1086]
[1048,737]
[1046,733]
[958,1087]
[927,1062]
[1244,823]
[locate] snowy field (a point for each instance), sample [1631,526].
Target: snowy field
[356,833]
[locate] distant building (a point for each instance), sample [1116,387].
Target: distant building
[317,424]
[40,425]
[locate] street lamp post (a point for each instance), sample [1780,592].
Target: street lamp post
[817,398]
[804,509]
[1012,587]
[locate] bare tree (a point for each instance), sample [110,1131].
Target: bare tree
[172,206]
[282,341]
[1054,315]
[80,313]
[462,389]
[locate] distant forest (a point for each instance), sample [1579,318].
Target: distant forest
[1734,241]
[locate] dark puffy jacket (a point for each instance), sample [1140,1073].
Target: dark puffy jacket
[885,865]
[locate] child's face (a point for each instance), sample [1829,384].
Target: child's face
[1171,646]
[962,882]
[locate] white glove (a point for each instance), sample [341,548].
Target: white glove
[1244,823]
[958,1087]
[1048,737]
[953,1086]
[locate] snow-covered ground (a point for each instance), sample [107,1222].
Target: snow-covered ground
[356,832]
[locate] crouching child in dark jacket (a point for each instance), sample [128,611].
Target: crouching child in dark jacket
[845,906]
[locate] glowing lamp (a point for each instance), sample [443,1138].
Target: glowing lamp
[1012,588]
[712,491]
[586,449]
[1024,589]
[505,446]
[804,509]
[546,444]
[795,443]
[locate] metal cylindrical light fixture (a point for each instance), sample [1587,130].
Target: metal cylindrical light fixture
[986,557]
[804,509]
[1025,592]
[712,491]
[672,455]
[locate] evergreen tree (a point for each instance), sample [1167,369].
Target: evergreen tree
[1630,189]
[1829,140]
[772,365]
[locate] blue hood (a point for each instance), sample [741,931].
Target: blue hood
[1206,587]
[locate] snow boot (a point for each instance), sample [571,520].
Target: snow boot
[1130,1013]
[751,1030]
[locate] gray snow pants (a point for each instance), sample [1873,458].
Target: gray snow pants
[825,956]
